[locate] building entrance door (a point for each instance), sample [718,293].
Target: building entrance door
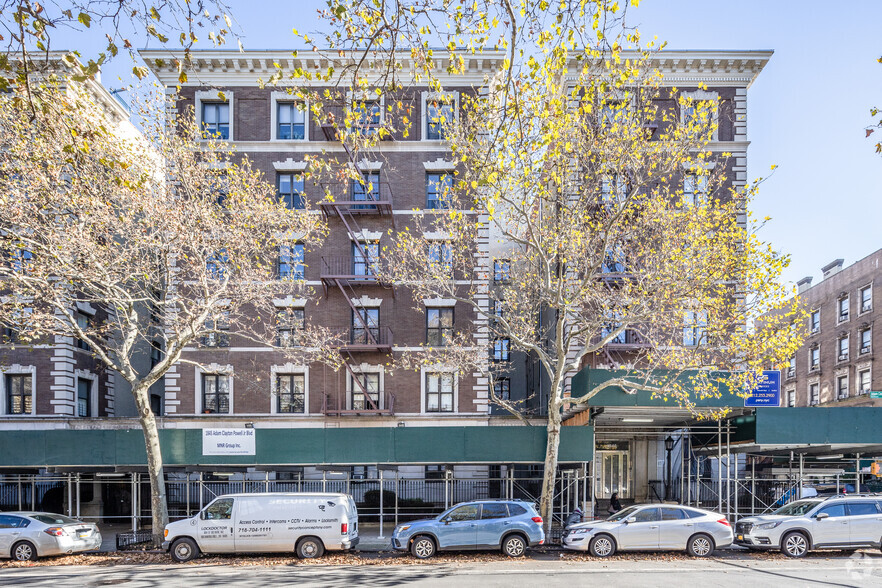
[613,474]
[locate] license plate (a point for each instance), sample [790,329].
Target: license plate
[741,537]
[83,534]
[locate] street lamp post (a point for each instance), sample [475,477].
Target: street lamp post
[669,446]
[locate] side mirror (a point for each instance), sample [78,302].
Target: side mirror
[822,515]
[445,520]
[631,520]
[202,515]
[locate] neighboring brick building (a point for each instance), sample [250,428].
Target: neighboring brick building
[835,365]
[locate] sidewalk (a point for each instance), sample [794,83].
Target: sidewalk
[369,537]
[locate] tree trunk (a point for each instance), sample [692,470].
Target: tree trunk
[546,502]
[158,504]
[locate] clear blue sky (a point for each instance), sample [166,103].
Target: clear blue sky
[807,111]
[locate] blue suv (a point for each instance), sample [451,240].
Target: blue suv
[509,525]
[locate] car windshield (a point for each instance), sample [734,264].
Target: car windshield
[54,519]
[798,508]
[623,514]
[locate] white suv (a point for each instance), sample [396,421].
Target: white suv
[839,522]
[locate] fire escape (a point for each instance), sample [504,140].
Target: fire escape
[367,198]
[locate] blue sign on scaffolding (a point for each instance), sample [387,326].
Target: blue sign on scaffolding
[767,392]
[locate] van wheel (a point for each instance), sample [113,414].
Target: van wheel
[24,551]
[184,549]
[422,547]
[794,544]
[700,546]
[310,548]
[514,546]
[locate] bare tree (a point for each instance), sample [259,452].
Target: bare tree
[168,233]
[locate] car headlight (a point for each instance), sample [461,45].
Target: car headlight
[579,531]
[403,528]
[771,525]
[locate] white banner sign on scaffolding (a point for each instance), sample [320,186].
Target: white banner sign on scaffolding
[228,442]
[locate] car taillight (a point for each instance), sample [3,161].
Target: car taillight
[344,528]
[537,520]
[54,531]
[724,522]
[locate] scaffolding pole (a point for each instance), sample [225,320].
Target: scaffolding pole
[134,502]
[719,466]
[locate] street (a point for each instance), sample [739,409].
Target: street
[860,569]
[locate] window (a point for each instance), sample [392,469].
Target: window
[439,115]
[497,307]
[19,394]
[814,358]
[843,348]
[365,189]
[502,388]
[834,510]
[611,111]
[672,514]
[613,260]
[216,120]
[84,397]
[290,322]
[647,515]
[467,512]
[493,510]
[866,340]
[291,120]
[21,260]
[441,256]
[791,368]
[291,392]
[438,189]
[364,258]
[439,326]
[365,326]
[867,298]
[695,190]
[368,383]
[816,321]
[12,522]
[613,324]
[156,404]
[791,397]
[216,265]
[843,309]
[155,352]
[439,392]
[500,350]
[863,382]
[434,472]
[814,394]
[217,327]
[366,116]
[842,387]
[501,270]
[698,115]
[694,324]
[215,394]
[291,262]
[613,188]
[290,190]
[83,322]
[859,509]
[220,510]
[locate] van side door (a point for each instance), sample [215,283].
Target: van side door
[216,527]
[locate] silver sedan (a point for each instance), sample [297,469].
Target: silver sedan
[649,527]
[25,536]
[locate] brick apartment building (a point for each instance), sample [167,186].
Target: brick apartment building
[835,365]
[313,422]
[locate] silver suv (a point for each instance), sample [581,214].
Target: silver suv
[839,522]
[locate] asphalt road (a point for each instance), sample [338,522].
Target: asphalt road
[862,569]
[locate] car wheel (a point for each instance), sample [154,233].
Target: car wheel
[24,551]
[184,549]
[794,545]
[514,546]
[602,546]
[310,548]
[700,546]
[422,547]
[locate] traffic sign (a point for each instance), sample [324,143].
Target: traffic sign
[767,392]
[876,394]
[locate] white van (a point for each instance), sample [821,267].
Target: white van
[306,523]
